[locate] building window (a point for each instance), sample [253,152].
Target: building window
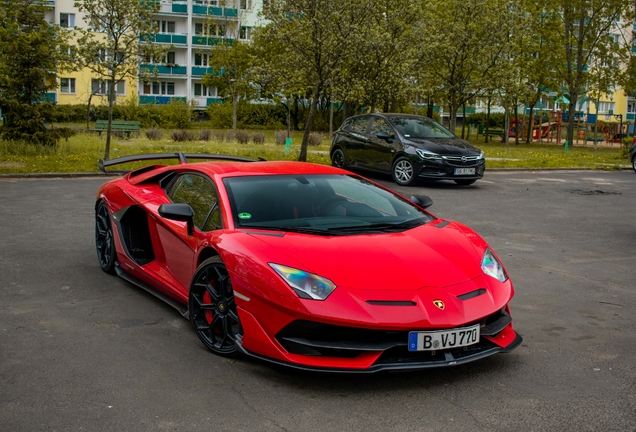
[169,58]
[67,20]
[67,85]
[246,33]
[631,107]
[201,90]
[606,107]
[100,87]
[165,26]
[159,88]
[209,29]
[246,4]
[201,59]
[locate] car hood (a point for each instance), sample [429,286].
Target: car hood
[426,256]
[445,146]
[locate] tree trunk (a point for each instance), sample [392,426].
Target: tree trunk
[393,104]
[295,113]
[234,102]
[430,105]
[88,112]
[310,122]
[506,134]
[487,125]
[516,121]
[530,124]
[417,102]
[463,120]
[330,118]
[111,102]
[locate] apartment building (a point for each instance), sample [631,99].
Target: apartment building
[191,28]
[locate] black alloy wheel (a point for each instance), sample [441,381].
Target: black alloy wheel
[403,171]
[465,182]
[338,159]
[212,308]
[634,162]
[104,238]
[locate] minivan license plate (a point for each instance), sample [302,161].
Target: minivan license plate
[443,339]
[464,171]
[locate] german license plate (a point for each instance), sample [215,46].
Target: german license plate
[464,171]
[443,339]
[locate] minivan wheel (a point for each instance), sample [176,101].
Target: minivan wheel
[403,171]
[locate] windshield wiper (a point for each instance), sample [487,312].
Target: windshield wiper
[301,230]
[382,227]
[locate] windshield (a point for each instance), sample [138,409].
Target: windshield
[319,204]
[415,128]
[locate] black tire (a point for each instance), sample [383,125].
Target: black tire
[212,308]
[338,159]
[104,242]
[634,162]
[403,171]
[465,182]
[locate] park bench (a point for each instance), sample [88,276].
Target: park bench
[494,132]
[118,126]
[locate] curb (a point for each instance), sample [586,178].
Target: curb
[114,174]
[57,175]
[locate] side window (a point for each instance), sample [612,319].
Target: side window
[359,125]
[197,191]
[380,125]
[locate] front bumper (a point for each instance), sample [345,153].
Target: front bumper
[445,170]
[315,346]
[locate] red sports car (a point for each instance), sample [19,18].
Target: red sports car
[304,265]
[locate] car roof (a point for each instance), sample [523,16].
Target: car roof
[233,169]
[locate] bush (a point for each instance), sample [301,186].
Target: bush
[243,137]
[219,136]
[258,138]
[315,138]
[230,136]
[205,134]
[280,136]
[183,135]
[154,134]
[179,114]
[254,115]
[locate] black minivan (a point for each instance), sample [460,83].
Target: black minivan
[407,146]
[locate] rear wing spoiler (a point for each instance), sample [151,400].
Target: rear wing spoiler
[183,158]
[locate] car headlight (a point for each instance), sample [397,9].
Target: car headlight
[481,155]
[425,154]
[306,285]
[492,267]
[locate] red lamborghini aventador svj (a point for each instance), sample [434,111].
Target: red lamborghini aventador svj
[304,265]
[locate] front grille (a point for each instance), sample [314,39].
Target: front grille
[317,339]
[457,161]
[401,355]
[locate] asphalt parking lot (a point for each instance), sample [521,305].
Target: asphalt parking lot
[81,350]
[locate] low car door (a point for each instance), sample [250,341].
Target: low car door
[180,248]
[381,151]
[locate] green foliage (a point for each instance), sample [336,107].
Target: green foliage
[252,115]
[30,54]
[496,119]
[179,114]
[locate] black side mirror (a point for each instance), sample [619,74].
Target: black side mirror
[178,212]
[422,201]
[384,136]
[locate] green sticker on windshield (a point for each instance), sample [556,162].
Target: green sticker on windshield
[244,216]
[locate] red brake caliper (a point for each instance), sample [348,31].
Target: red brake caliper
[207,299]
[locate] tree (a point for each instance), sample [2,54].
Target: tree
[462,44]
[109,46]
[231,64]
[586,27]
[317,37]
[31,51]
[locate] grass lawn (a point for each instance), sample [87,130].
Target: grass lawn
[81,152]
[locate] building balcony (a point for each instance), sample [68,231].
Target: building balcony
[210,40]
[48,3]
[630,116]
[49,97]
[169,38]
[159,100]
[214,11]
[165,69]
[200,70]
[204,101]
